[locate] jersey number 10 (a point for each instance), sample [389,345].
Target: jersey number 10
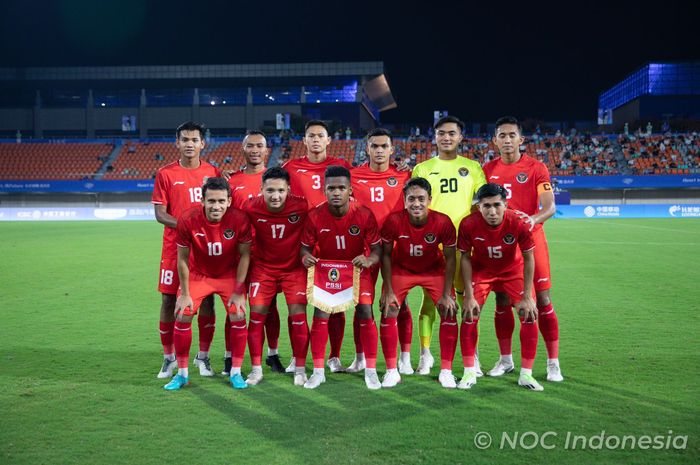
[215,248]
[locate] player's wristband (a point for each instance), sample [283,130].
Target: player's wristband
[239,288]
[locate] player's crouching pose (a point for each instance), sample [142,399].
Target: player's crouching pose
[493,236]
[412,257]
[342,230]
[212,258]
[278,219]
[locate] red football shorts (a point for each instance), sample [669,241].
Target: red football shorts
[366,287]
[203,286]
[513,287]
[169,280]
[265,284]
[542,279]
[431,284]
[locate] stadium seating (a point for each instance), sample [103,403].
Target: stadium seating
[338,148]
[564,155]
[52,160]
[141,160]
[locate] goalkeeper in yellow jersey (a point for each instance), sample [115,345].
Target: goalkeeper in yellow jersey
[454,180]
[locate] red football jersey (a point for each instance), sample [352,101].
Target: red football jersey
[306,178]
[495,252]
[213,246]
[277,235]
[524,180]
[244,187]
[179,189]
[340,238]
[416,248]
[380,192]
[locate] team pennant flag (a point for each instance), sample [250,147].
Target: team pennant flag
[333,286]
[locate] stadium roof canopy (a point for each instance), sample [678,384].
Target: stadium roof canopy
[230,71]
[280,82]
[654,79]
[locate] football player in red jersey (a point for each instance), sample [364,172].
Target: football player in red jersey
[277,219]
[178,187]
[212,258]
[412,256]
[530,192]
[343,230]
[246,184]
[378,185]
[497,254]
[306,180]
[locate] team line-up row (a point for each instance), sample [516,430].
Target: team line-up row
[255,234]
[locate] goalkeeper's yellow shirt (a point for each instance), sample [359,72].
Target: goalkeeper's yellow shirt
[454,183]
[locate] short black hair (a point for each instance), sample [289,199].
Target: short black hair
[315,122]
[254,132]
[190,126]
[380,132]
[450,119]
[509,120]
[216,184]
[276,172]
[418,182]
[336,171]
[491,190]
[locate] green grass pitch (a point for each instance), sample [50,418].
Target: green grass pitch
[79,351]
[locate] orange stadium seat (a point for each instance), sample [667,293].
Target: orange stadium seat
[51,160]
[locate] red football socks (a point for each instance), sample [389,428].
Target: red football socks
[227,336]
[405,324]
[336,332]
[182,339]
[389,334]
[448,342]
[299,336]
[368,333]
[504,321]
[166,336]
[549,327]
[356,335]
[528,343]
[207,325]
[319,339]
[467,340]
[256,335]
[239,337]
[272,325]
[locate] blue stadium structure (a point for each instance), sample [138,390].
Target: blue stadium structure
[656,91]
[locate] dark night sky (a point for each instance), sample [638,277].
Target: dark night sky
[478,62]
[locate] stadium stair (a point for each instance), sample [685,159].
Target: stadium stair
[110,159]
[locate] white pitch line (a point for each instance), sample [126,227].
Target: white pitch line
[626,243]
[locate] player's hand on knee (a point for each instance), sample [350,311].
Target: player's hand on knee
[389,305]
[470,310]
[183,306]
[447,306]
[527,310]
[236,306]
